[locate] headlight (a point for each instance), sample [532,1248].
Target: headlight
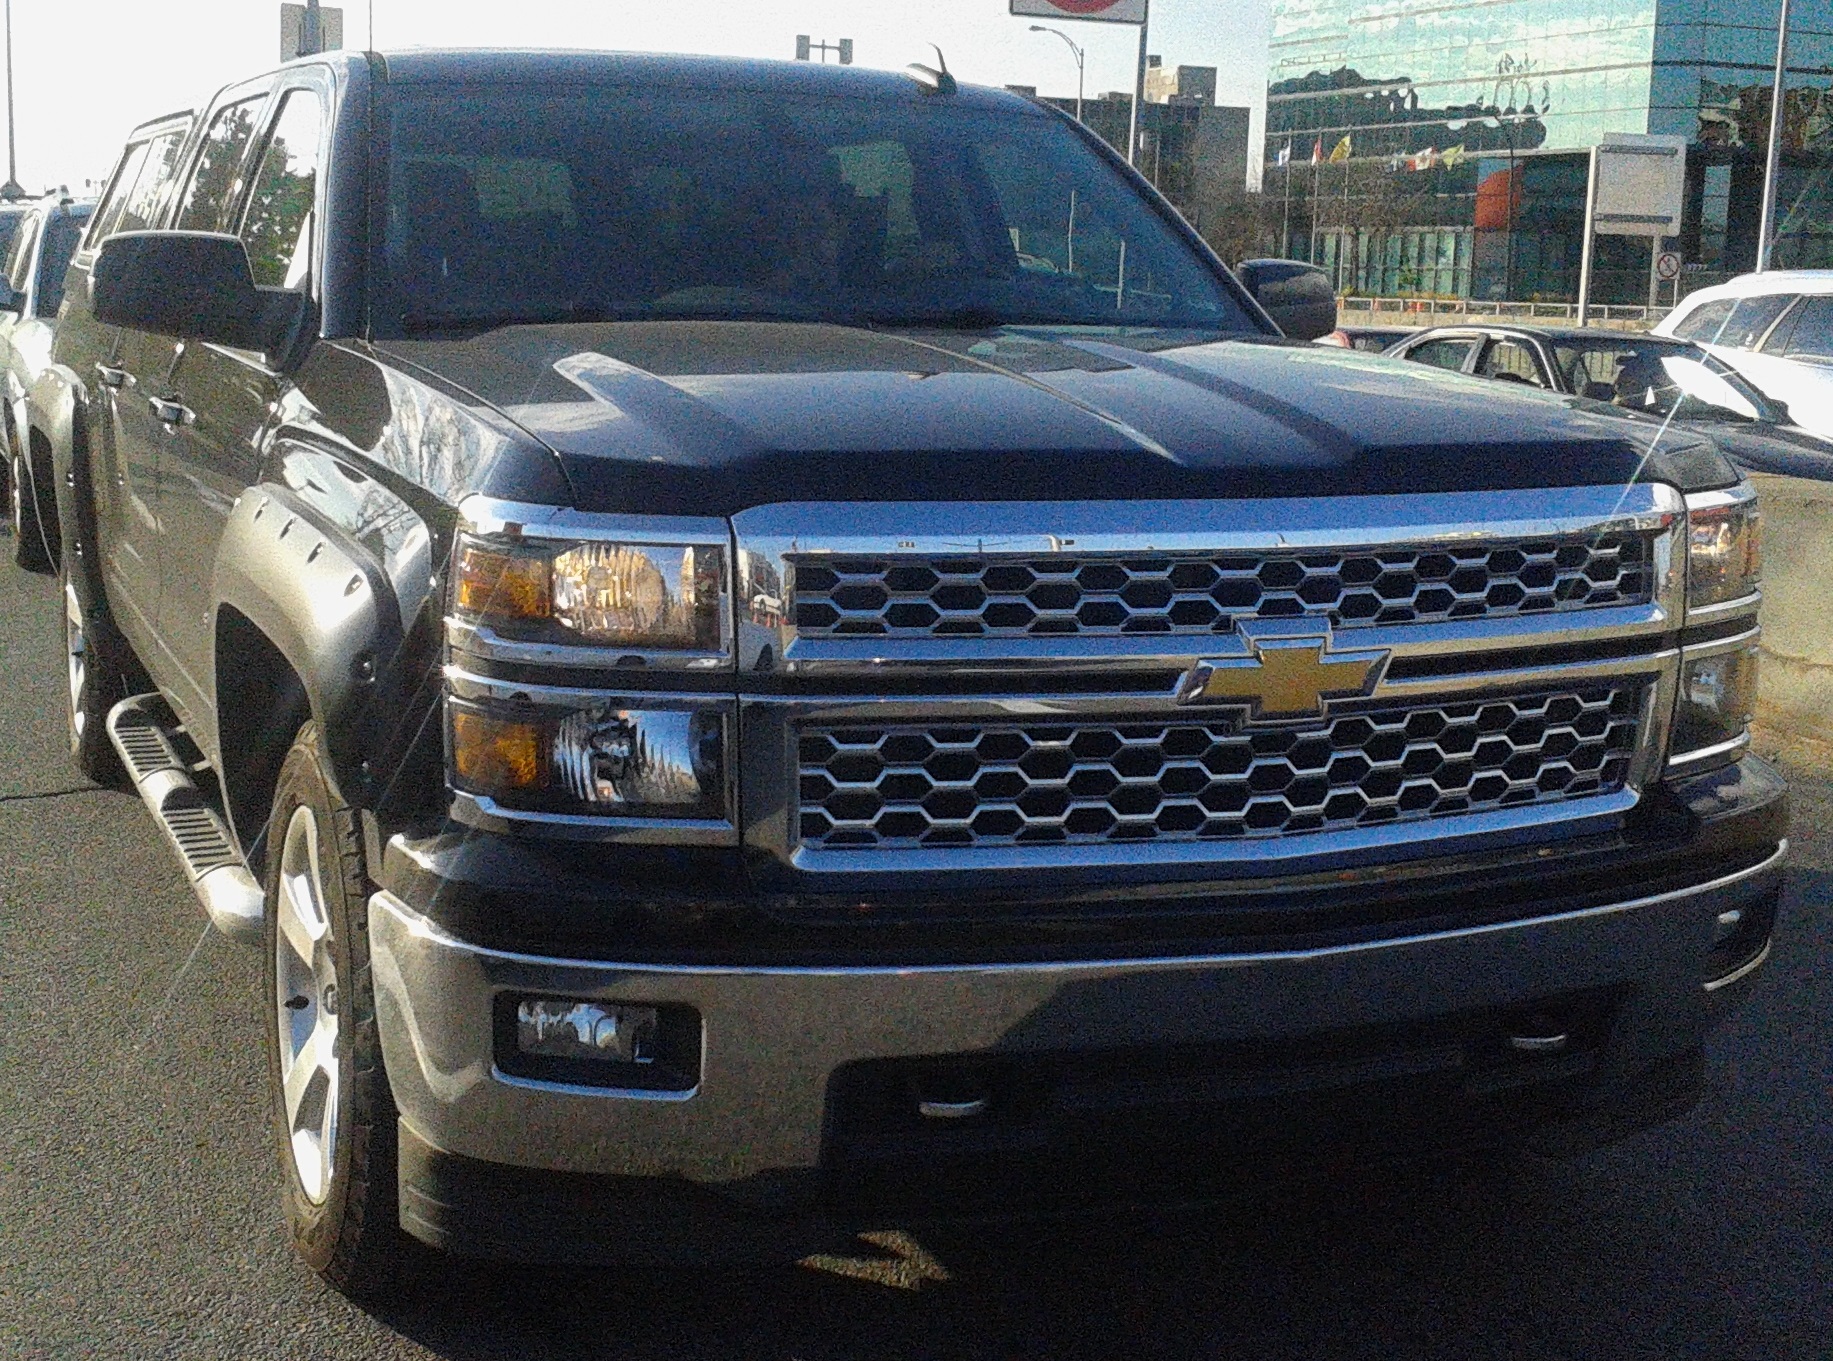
[1718,696]
[1724,547]
[649,597]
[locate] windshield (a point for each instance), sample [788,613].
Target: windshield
[550,205]
[1681,381]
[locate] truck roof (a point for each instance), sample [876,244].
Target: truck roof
[466,66]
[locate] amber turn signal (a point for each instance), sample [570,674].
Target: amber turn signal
[491,754]
[503,585]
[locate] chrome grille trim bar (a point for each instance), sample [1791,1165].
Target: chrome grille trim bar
[1364,845]
[769,538]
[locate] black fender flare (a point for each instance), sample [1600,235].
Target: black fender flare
[56,407]
[324,602]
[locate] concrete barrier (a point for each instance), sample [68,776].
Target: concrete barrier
[1795,694]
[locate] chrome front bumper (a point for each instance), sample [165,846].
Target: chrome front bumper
[774,1036]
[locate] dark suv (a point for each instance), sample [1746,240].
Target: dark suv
[763,647]
[31,291]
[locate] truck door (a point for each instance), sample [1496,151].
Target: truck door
[124,465]
[223,397]
[162,415]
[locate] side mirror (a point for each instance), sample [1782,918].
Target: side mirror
[193,286]
[1299,297]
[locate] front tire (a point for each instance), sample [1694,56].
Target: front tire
[333,1115]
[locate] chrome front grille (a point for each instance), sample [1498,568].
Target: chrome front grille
[995,596]
[999,783]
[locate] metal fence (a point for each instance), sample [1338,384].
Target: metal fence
[1450,311]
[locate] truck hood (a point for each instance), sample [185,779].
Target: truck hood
[712,417]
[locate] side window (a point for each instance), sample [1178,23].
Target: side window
[277,228]
[1512,362]
[19,258]
[1705,322]
[61,235]
[114,199]
[1812,337]
[1449,353]
[1751,318]
[217,175]
[142,205]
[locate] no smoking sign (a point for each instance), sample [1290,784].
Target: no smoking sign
[1102,11]
[1667,266]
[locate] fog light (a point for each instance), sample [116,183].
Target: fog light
[556,1028]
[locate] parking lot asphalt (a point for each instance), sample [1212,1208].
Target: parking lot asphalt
[139,1218]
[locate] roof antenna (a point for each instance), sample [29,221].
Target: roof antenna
[933,81]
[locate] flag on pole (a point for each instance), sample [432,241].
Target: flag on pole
[1285,154]
[1453,155]
[1340,152]
[1423,160]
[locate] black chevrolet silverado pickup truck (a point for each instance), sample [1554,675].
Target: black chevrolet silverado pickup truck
[765,648]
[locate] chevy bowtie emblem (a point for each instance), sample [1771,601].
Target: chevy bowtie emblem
[1288,676]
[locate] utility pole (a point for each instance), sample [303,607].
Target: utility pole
[311,32]
[11,189]
[1081,61]
[1139,87]
[1778,101]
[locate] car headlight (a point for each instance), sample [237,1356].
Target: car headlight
[652,597]
[1724,547]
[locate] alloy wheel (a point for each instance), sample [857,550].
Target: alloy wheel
[306,1008]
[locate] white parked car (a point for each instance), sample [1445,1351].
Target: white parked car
[1776,329]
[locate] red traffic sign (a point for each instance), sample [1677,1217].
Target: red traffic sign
[1667,266]
[1102,11]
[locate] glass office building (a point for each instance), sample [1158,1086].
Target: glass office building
[1439,148]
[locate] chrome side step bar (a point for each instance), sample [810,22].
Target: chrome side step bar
[232,898]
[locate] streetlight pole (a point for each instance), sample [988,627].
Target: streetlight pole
[1081,60]
[1766,224]
[11,189]
[1139,88]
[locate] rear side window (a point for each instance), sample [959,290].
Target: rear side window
[19,256]
[1738,322]
[1442,354]
[114,198]
[1812,334]
[61,235]
[277,229]
[217,174]
[1512,362]
[141,206]
[1705,321]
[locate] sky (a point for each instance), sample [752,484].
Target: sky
[75,100]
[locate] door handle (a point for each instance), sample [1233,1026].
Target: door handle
[113,378]
[172,413]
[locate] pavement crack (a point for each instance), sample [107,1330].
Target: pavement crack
[50,794]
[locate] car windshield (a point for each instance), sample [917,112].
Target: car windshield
[1681,381]
[539,205]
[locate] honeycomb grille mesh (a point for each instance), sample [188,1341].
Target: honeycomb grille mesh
[990,596]
[916,786]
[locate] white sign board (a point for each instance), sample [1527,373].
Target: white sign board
[1642,182]
[1105,11]
[292,30]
